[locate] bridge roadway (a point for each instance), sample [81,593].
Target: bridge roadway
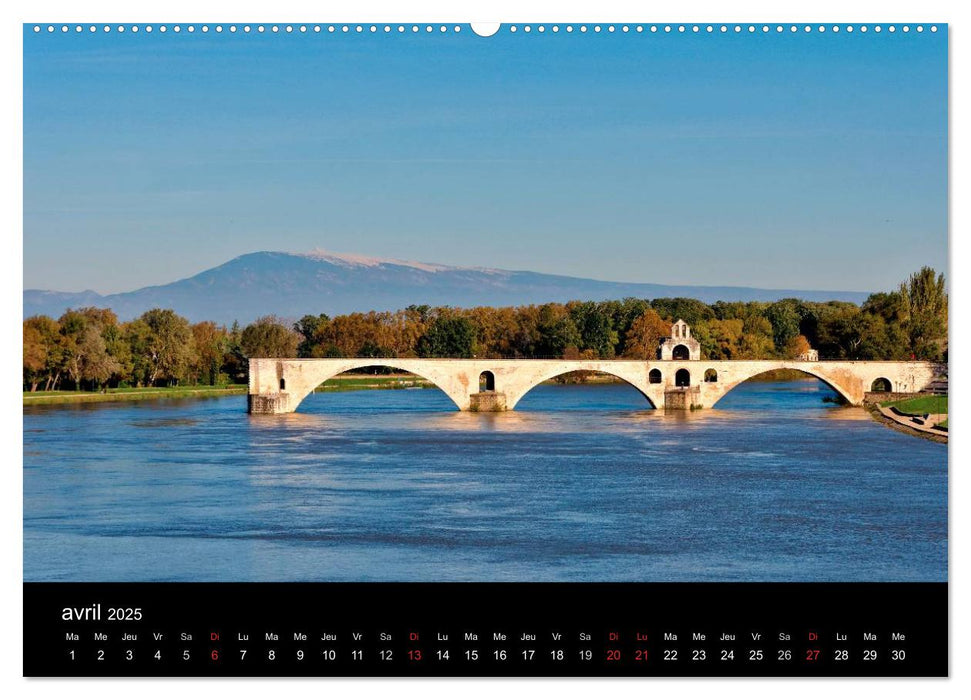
[279,385]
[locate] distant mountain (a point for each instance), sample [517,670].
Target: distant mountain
[293,284]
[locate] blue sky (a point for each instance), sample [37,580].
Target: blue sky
[815,161]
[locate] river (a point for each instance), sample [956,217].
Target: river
[580,483]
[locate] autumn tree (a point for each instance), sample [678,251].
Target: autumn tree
[50,335]
[798,347]
[409,326]
[721,339]
[269,336]
[96,364]
[757,341]
[36,351]
[165,344]
[72,324]
[210,344]
[119,350]
[644,336]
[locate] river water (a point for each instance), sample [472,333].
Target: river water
[580,483]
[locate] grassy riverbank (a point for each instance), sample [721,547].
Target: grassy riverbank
[920,405]
[346,382]
[41,398]
[934,407]
[923,405]
[903,427]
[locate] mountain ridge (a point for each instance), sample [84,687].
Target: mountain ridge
[291,285]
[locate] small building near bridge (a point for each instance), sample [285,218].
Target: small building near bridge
[680,345]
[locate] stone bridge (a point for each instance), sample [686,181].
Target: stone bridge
[279,385]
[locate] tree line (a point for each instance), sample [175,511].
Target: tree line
[89,348]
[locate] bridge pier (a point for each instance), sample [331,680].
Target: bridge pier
[682,398]
[269,404]
[488,402]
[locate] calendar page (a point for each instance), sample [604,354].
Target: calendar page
[437,349]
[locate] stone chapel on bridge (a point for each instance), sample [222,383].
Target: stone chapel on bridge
[680,346]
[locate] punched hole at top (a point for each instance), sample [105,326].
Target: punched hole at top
[485,28]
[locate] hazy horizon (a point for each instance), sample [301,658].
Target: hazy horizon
[382,259]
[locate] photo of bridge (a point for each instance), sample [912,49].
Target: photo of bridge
[611,304]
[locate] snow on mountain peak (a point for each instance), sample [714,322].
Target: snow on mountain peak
[355,260]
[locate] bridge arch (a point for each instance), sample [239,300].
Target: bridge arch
[514,397]
[682,377]
[881,385]
[836,386]
[302,380]
[487,381]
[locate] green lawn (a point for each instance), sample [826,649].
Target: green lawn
[339,383]
[920,405]
[130,394]
[140,390]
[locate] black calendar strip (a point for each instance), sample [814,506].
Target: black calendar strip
[390,629]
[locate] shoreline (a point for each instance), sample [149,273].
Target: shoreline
[39,398]
[877,415]
[349,382]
